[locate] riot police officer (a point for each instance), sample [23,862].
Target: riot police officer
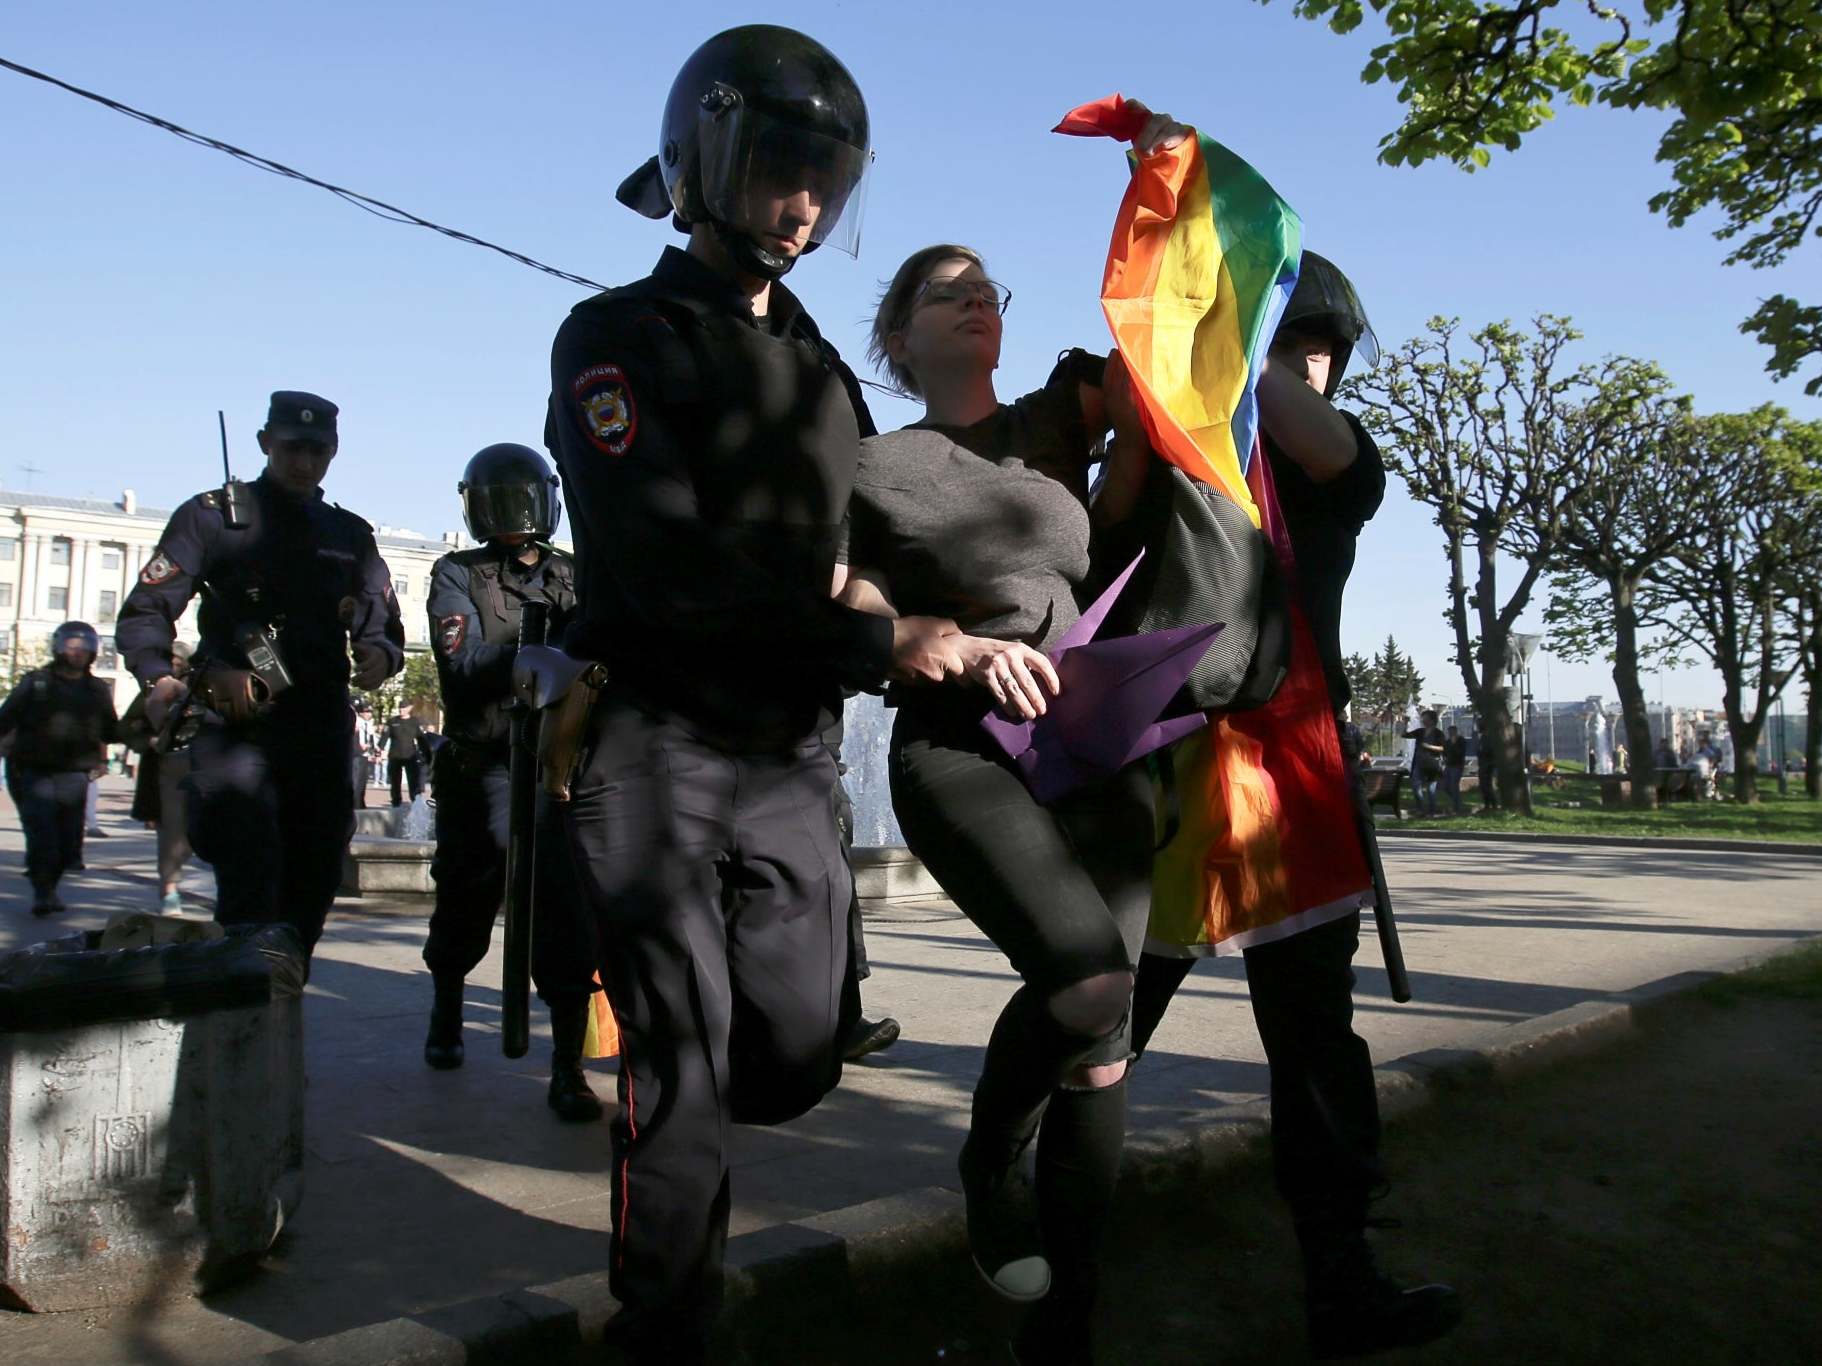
[707,438]
[509,500]
[290,585]
[60,720]
[1330,480]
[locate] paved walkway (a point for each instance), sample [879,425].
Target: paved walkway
[426,1188]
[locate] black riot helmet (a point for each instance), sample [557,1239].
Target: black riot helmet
[77,632]
[759,109]
[1324,302]
[508,490]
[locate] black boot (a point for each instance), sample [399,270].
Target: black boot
[443,1048]
[869,1036]
[569,1094]
[1354,1310]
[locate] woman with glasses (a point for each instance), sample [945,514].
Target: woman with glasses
[982,512]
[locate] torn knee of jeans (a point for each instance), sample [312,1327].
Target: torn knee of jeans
[1093,1007]
[1082,1077]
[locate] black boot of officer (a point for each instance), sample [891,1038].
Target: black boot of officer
[443,1048]
[1353,1309]
[569,1093]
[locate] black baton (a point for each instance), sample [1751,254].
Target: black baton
[1389,947]
[522,809]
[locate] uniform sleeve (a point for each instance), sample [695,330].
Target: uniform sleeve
[629,488]
[110,718]
[455,634]
[18,703]
[863,418]
[148,618]
[1353,496]
[851,382]
[376,608]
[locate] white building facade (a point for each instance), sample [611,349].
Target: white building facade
[64,559]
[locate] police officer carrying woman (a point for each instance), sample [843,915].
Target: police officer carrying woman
[981,511]
[707,437]
[510,503]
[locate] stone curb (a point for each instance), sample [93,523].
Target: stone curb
[1705,846]
[862,1252]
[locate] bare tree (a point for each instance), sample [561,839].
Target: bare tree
[1498,438]
[1636,510]
[1723,590]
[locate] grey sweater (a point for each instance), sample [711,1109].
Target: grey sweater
[986,524]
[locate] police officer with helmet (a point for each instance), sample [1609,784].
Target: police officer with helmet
[1325,1113]
[56,723]
[707,436]
[510,502]
[291,585]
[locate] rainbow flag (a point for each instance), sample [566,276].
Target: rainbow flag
[1203,259]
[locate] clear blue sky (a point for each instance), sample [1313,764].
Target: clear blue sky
[148,282]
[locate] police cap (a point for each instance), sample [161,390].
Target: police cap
[297,416]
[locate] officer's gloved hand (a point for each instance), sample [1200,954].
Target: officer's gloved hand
[232,692]
[371,667]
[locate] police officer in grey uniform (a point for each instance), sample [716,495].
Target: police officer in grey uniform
[509,499]
[291,585]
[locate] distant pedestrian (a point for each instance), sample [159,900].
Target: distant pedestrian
[1707,761]
[1454,764]
[60,720]
[1426,761]
[366,750]
[91,809]
[158,800]
[403,759]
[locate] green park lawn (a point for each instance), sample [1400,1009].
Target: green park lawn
[1574,809]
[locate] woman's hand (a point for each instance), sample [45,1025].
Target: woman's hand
[1122,406]
[1160,133]
[1015,674]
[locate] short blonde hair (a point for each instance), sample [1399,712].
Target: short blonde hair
[895,304]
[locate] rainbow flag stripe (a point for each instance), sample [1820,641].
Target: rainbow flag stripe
[1203,260]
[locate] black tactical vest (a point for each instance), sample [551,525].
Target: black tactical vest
[471,715]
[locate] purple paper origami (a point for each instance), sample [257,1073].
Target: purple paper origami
[1112,693]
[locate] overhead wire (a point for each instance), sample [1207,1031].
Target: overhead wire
[366,203]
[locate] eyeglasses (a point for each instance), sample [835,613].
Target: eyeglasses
[955,291]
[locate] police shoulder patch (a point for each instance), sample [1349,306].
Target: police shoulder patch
[451,632]
[605,408]
[161,568]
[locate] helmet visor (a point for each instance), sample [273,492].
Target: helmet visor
[509,510]
[1325,300]
[762,176]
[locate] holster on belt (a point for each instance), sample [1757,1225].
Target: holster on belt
[562,736]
